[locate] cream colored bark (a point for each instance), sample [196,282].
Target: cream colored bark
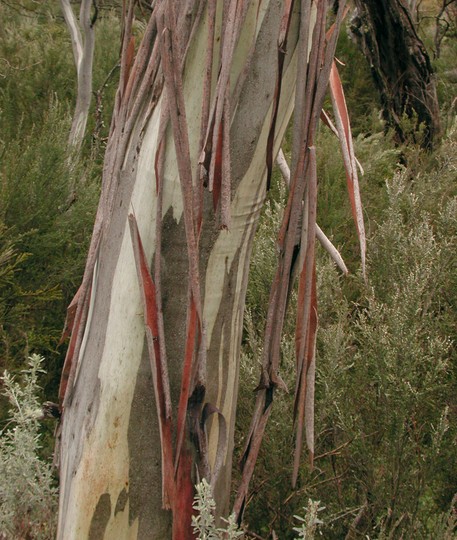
[110,466]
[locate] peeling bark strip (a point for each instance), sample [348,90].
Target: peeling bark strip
[306,325]
[282,47]
[344,134]
[159,366]
[320,235]
[151,374]
[217,162]
[310,91]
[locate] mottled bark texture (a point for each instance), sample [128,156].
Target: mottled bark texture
[150,382]
[111,464]
[400,66]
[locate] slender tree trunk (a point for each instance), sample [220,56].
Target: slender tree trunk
[83,44]
[400,65]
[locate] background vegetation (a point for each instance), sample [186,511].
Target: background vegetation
[386,411]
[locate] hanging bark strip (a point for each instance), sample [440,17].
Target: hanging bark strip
[309,97]
[158,365]
[308,12]
[142,74]
[70,318]
[306,325]
[344,132]
[320,235]
[72,326]
[290,226]
[128,46]
[215,155]
[80,318]
[328,122]
[206,101]
[282,48]
[298,188]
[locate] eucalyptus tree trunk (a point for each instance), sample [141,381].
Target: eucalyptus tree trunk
[150,382]
[400,66]
[82,35]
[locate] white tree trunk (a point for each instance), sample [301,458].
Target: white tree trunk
[83,44]
[206,100]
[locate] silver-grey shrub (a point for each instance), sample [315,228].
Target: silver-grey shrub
[28,497]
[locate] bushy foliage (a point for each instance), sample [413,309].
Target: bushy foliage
[204,523]
[28,496]
[48,196]
[47,206]
[34,65]
[386,382]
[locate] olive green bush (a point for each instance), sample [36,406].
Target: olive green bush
[47,206]
[48,195]
[386,382]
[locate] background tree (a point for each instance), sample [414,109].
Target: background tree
[400,66]
[83,44]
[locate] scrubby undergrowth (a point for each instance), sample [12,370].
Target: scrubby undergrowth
[386,412]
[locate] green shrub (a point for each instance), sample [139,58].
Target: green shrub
[28,496]
[204,523]
[386,369]
[34,67]
[47,206]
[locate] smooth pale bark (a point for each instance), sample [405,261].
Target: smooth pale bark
[82,35]
[110,451]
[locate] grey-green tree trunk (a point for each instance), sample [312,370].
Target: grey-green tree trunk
[110,442]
